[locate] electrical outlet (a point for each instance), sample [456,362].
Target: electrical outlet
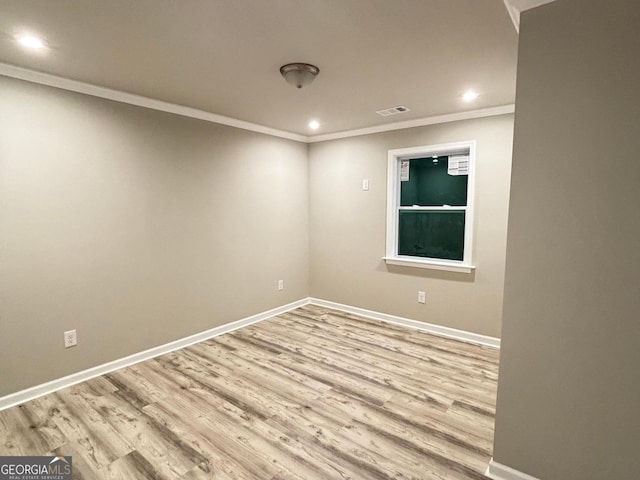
[422,297]
[365,184]
[70,339]
[280,284]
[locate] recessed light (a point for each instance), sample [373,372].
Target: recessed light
[314,124]
[31,41]
[470,95]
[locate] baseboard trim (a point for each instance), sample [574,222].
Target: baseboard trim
[407,322]
[25,395]
[22,396]
[497,471]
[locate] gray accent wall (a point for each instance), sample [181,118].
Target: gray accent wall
[348,228]
[569,389]
[136,228]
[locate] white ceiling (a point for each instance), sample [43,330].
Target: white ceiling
[223,56]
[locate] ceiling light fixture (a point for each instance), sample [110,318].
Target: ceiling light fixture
[314,124]
[31,41]
[299,74]
[470,95]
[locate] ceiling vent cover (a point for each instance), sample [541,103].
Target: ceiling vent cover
[393,111]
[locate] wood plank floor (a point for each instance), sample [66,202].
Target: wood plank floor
[311,394]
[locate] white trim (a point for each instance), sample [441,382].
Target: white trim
[419,122]
[393,200]
[37,391]
[497,471]
[471,201]
[25,395]
[118,96]
[515,7]
[448,332]
[393,196]
[449,266]
[146,102]
[428,209]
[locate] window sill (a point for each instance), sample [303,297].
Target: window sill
[449,266]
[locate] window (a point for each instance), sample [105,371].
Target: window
[430,206]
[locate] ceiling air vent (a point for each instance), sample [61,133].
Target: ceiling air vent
[392,111]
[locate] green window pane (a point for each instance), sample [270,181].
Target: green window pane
[435,234]
[430,184]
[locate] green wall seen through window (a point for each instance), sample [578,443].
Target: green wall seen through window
[434,234]
[430,185]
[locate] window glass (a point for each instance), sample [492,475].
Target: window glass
[430,184]
[434,234]
[430,206]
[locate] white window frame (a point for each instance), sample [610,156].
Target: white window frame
[393,207]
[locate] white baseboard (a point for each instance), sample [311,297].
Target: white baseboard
[43,389]
[407,322]
[497,471]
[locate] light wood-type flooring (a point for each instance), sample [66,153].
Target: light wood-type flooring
[310,394]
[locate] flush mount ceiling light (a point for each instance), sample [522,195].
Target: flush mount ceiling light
[299,74]
[314,124]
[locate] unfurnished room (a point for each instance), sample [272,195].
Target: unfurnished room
[319,239]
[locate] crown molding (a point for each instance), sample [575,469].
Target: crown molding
[515,7]
[419,122]
[132,99]
[146,102]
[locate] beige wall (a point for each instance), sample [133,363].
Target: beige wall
[569,395]
[136,228]
[347,228]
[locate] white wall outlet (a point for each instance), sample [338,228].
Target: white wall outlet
[365,184]
[280,284]
[70,339]
[422,297]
